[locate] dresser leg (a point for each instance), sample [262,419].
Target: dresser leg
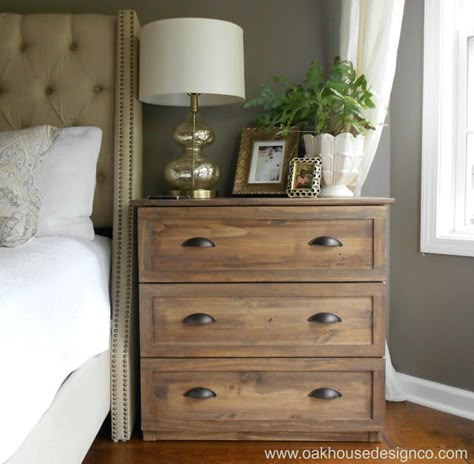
[375,437]
[149,436]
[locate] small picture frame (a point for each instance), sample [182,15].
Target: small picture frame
[262,165]
[304,178]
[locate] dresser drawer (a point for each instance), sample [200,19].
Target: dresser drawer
[261,244]
[290,395]
[258,320]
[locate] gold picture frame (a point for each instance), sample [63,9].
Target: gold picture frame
[304,178]
[262,165]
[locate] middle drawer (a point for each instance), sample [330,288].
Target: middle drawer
[258,320]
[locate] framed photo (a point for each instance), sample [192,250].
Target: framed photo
[262,165]
[304,178]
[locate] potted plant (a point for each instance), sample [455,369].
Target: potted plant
[329,106]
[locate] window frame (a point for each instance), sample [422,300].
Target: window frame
[443,229]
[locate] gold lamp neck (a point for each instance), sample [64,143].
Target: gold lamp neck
[194,102]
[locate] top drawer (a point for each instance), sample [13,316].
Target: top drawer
[261,244]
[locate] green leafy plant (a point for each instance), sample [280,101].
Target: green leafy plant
[332,103]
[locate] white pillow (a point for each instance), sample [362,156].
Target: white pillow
[67,183]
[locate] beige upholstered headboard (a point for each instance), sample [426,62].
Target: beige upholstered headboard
[69,70]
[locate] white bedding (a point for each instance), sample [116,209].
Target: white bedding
[54,315]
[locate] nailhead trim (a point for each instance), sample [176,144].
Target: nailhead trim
[124,234]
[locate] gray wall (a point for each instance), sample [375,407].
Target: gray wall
[432,296]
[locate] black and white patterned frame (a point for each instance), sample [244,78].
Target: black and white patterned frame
[315,188]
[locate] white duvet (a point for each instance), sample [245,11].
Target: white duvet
[54,315]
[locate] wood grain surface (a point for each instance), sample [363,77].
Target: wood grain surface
[258,285]
[258,320]
[407,427]
[260,395]
[262,201]
[261,244]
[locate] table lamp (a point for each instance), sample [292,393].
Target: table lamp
[192,62]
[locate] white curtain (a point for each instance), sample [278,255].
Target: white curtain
[370,32]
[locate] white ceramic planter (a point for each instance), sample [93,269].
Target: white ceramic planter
[341,156]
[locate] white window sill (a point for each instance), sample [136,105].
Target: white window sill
[456,243]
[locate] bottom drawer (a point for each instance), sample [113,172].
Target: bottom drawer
[191,398]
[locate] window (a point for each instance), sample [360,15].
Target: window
[447,197]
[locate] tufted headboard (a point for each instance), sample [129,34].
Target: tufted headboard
[67,70]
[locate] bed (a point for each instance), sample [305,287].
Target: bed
[77,70]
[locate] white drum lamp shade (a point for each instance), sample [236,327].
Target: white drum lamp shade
[183,56]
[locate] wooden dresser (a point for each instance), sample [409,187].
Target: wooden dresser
[262,318]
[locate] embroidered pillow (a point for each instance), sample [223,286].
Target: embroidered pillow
[22,154]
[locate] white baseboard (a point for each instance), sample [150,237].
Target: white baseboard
[438,396]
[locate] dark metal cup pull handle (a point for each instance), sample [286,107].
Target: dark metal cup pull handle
[325,241]
[199,242]
[325,393]
[198,318]
[325,318]
[200,393]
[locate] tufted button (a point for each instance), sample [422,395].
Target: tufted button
[73,46]
[23,47]
[100,178]
[48,90]
[98,89]
[1,90]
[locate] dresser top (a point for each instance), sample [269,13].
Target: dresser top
[269,201]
